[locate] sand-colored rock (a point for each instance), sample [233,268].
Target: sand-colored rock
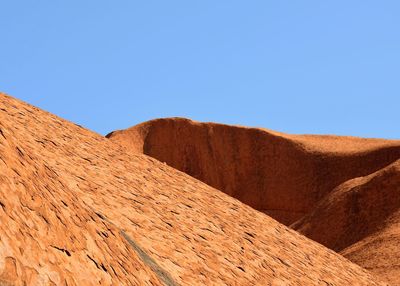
[77,209]
[343,192]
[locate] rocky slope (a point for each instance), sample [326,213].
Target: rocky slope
[279,174]
[77,209]
[361,220]
[300,180]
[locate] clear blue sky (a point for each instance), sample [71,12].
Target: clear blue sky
[327,67]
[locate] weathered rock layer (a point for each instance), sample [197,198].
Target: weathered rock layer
[340,191]
[279,174]
[361,220]
[77,209]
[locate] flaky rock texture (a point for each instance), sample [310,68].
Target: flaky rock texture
[77,209]
[340,191]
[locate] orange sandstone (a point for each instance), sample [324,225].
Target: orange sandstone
[77,209]
[343,192]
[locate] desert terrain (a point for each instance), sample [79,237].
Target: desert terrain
[176,202]
[343,192]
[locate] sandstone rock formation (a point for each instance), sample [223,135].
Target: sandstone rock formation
[77,209]
[279,174]
[361,220]
[300,180]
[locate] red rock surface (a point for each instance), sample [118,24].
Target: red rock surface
[279,174]
[77,209]
[361,220]
[340,191]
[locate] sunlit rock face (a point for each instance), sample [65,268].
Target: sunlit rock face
[78,209]
[340,191]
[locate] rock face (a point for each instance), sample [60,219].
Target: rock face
[361,220]
[340,191]
[281,175]
[77,209]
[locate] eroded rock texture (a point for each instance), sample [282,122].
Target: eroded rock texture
[309,182]
[361,220]
[77,209]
